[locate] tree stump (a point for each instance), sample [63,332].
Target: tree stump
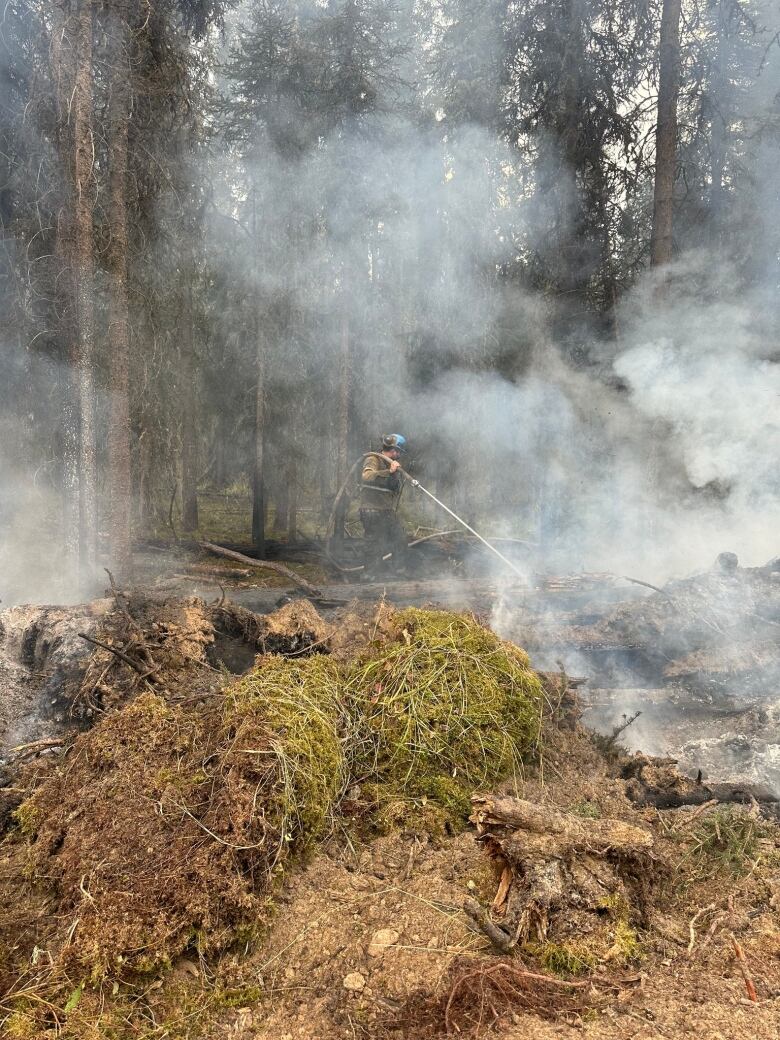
[561,876]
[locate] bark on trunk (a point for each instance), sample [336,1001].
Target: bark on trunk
[258,475]
[343,425]
[718,120]
[189,452]
[119,464]
[292,502]
[345,362]
[258,489]
[63,60]
[84,370]
[282,504]
[661,245]
[71,54]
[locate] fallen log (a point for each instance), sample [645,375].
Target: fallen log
[656,782]
[567,831]
[277,568]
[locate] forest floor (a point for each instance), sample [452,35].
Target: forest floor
[324,974]
[369,935]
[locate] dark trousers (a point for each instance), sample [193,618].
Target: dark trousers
[384,534]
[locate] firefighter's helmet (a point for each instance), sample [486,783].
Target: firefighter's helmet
[394,440]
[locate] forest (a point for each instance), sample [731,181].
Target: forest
[389,503]
[241,241]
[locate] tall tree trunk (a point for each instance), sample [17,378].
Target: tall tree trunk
[258,475]
[189,448]
[63,62]
[282,503]
[84,371]
[119,464]
[258,472]
[718,122]
[662,241]
[72,71]
[575,276]
[292,501]
[345,362]
[342,423]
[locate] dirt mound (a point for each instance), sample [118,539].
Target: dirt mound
[294,629]
[147,887]
[42,661]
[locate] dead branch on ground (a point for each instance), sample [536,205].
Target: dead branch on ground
[277,568]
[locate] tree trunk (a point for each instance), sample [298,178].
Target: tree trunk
[292,503]
[345,362]
[189,448]
[258,475]
[553,865]
[662,241]
[718,122]
[63,62]
[575,275]
[343,425]
[258,490]
[119,464]
[85,321]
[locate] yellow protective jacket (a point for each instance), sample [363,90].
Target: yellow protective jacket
[379,488]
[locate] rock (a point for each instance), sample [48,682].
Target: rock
[354,982]
[381,940]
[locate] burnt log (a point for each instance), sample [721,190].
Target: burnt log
[657,782]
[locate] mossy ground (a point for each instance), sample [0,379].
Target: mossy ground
[165,827]
[447,710]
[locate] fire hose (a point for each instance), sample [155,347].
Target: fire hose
[416,484]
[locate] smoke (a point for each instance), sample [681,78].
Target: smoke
[33,567]
[386,231]
[650,461]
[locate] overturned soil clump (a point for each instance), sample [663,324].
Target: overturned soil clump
[166,828]
[282,849]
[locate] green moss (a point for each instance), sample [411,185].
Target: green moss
[297,704]
[626,946]
[726,839]
[447,709]
[588,810]
[21,1024]
[238,996]
[28,816]
[567,959]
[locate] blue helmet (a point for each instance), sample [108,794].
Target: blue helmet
[395,440]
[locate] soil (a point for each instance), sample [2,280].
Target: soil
[369,939]
[322,979]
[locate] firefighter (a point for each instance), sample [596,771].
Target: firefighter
[382,482]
